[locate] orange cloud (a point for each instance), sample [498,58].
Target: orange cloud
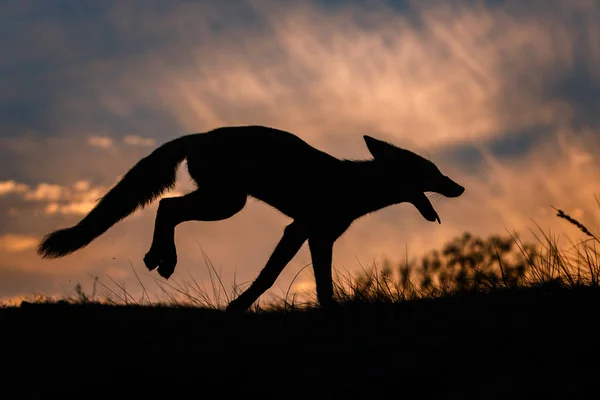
[100,141]
[11,186]
[15,243]
[45,191]
[139,141]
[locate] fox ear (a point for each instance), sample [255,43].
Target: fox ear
[380,149]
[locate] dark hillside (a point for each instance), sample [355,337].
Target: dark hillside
[529,343]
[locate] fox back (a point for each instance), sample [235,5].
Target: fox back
[284,171]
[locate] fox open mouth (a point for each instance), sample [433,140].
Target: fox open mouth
[426,208]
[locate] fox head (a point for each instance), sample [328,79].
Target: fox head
[417,176]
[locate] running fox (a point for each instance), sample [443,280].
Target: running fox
[322,194]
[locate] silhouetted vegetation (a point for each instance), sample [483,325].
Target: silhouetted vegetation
[470,264]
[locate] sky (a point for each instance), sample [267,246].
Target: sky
[501,95]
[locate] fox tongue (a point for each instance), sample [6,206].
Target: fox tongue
[425,208]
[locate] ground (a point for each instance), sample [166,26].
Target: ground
[525,343]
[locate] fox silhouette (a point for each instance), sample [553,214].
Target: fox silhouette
[321,193]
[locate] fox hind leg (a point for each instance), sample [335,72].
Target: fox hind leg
[320,244]
[200,205]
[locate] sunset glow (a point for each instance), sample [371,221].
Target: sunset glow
[503,96]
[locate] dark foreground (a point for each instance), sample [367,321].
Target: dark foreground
[536,343]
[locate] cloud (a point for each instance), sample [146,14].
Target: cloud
[460,75]
[11,186]
[14,243]
[45,191]
[81,186]
[77,199]
[139,141]
[75,208]
[100,141]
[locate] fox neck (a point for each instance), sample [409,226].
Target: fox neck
[371,189]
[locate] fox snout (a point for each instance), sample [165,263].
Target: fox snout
[444,186]
[449,188]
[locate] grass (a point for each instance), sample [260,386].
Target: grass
[465,265]
[479,318]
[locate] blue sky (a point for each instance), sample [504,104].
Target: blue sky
[503,95]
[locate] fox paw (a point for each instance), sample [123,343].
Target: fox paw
[331,306]
[237,306]
[165,260]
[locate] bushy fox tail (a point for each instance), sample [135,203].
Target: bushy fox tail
[147,180]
